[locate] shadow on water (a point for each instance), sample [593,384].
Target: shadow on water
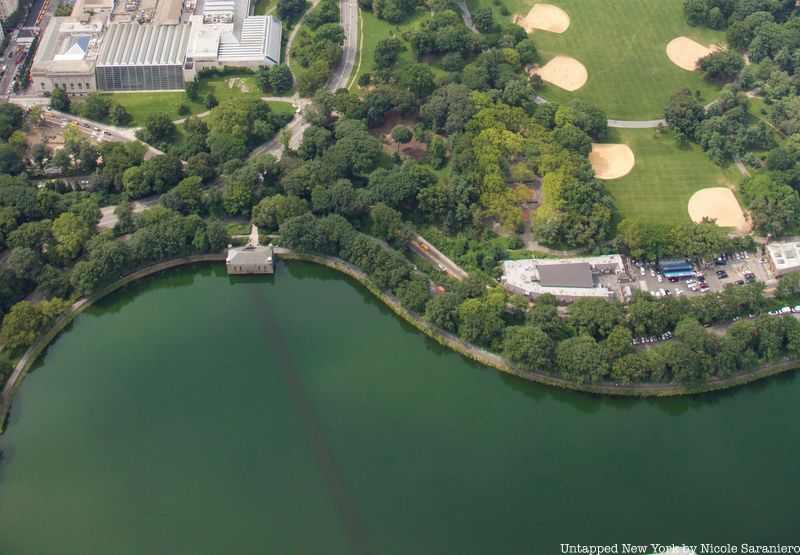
[347,510]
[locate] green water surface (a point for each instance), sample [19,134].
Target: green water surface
[195,413]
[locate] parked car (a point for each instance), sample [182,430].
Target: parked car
[722,274]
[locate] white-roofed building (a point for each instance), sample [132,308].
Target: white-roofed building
[210,45]
[157,53]
[784,257]
[66,56]
[567,279]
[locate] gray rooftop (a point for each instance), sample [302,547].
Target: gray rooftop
[566,275]
[249,256]
[132,44]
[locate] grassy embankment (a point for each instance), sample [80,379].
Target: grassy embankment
[375,30]
[141,104]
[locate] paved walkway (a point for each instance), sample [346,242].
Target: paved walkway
[467,16]
[287,59]
[252,239]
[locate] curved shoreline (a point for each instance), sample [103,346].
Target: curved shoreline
[442,337]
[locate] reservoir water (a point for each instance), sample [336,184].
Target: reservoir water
[195,413]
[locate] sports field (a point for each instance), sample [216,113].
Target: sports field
[622,44]
[664,177]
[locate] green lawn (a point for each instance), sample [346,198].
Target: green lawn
[375,30]
[264,7]
[141,104]
[622,44]
[665,176]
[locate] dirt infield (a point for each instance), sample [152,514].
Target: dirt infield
[684,52]
[718,203]
[611,161]
[545,17]
[562,71]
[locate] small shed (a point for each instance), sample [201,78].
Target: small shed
[250,260]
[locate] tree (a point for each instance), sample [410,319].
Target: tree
[595,317]
[11,120]
[441,311]
[482,17]
[70,233]
[193,90]
[119,115]
[401,134]
[630,368]
[211,101]
[21,325]
[24,263]
[573,139]
[96,107]
[618,342]
[788,286]
[418,79]
[684,114]
[582,359]
[313,78]
[11,161]
[59,100]
[414,294]
[290,10]
[281,78]
[386,52]
[340,198]
[394,11]
[723,65]
[272,211]
[157,128]
[696,12]
[52,282]
[527,51]
[226,147]
[479,320]
[184,110]
[387,224]
[186,197]
[529,348]
[315,141]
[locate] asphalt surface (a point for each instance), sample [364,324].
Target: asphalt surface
[348,13]
[425,249]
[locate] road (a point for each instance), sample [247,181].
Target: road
[422,247]
[467,16]
[348,15]
[108,219]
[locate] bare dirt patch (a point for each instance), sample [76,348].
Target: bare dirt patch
[414,149]
[238,83]
[684,52]
[545,17]
[611,161]
[720,204]
[563,72]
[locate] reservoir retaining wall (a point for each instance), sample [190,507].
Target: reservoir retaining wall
[440,336]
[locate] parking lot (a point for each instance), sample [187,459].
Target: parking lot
[735,270]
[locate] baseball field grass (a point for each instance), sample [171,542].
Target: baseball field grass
[665,176]
[622,44]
